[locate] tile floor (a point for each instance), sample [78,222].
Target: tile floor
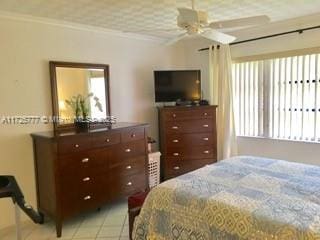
[110,223]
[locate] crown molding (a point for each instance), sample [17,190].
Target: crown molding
[78,26]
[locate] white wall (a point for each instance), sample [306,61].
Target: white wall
[293,151]
[26,48]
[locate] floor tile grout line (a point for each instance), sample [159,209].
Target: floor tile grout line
[77,229]
[124,221]
[101,226]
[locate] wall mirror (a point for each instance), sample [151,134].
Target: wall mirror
[72,82]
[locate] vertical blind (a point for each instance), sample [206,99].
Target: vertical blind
[278,98]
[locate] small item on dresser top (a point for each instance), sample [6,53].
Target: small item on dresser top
[203,102]
[179,102]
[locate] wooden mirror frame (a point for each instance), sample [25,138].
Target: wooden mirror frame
[54,89]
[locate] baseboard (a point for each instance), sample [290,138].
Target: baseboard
[12,228]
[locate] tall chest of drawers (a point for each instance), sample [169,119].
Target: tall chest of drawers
[188,138]
[76,172]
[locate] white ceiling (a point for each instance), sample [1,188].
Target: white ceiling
[136,15]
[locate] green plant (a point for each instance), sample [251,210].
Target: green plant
[80,105]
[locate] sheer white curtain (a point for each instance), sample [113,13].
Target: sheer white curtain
[220,74]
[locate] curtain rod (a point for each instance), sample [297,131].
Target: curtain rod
[300,31]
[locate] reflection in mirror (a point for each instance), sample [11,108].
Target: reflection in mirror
[87,82]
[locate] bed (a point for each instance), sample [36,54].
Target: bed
[238,198]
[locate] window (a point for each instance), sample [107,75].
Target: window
[278,98]
[96,85]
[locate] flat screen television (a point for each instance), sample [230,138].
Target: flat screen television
[184,85]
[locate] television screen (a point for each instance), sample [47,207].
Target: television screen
[184,85]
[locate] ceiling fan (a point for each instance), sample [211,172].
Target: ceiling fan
[195,22]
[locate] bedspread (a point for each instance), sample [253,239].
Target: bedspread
[238,198]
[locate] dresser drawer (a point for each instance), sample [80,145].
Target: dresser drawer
[191,139]
[127,150]
[128,185]
[191,152]
[190,126]
[105,139]
[190,113]
[78,195]
[132,134]
[70,144]
[129,167]
[178,167]
[94,162]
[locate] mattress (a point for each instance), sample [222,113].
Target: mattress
[239,198]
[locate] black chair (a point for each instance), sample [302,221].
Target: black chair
[9,188]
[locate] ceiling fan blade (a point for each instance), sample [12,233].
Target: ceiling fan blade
[176,39]
[188,15]
[240,22]
[218,36]
[155,30]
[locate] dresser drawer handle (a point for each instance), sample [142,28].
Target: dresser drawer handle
[205,114]
[205,125]
[76,146]
[129,183]
[176,168]
[133,135]
[86,179]
[128,167]
[176,154]
[128,150]
[175,127]
[85,160]
[107,140]
[86,198]
[206,152]
[175,140]
[174,115]
[206,139]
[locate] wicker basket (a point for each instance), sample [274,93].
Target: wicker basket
[154,169]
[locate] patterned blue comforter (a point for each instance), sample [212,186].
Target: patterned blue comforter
[238,198]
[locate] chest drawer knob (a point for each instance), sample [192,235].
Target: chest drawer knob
[205,125]
[129,183]
[107,140]
[85,160]
[86,198]
[206,152]
[175,127]
[128,150]
[176,168]
[86,179]
[176,154]
[174,115]
[205,114]
[76,146]
[128,167]
[133,135]
[205,139]
[175,140]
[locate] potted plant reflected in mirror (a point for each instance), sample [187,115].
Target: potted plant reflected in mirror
[81,108]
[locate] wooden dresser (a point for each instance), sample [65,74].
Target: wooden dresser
[76,172]
[187,138]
